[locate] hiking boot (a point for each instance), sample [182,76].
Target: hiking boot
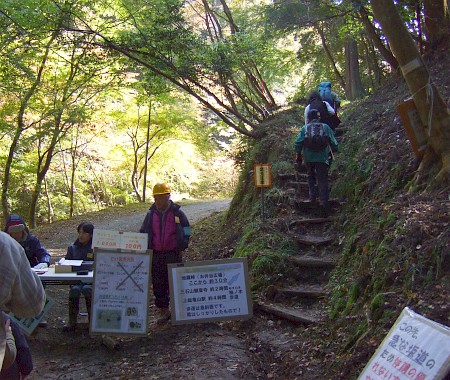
[162,315]
[74,308]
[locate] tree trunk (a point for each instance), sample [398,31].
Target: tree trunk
[354,89]
[147,143]
[50,212]
[21,126]
[330,57]
[436,21]
[44,162]
[432,109]
[371,32]
[73,169]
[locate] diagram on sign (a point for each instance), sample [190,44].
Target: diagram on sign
[129,276]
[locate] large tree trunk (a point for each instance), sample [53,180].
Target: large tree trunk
[432,109]
[371,32]
[355,88]
[436,20]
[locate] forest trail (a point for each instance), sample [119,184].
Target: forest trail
[200,351]
[56,237]
[263,347]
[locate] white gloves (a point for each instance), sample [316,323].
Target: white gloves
[41,266]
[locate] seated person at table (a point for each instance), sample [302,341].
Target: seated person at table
[80,250]
[37,255]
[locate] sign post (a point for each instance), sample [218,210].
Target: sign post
[263,179]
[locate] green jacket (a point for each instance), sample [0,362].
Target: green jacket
[313,156]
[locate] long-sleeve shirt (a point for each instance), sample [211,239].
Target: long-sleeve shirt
[21,289]
[316,156]
[326,104]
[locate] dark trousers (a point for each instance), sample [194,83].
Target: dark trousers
[318,182]
[80,289]
[160,276]
[75,293]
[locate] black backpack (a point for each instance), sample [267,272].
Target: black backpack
[316,138]
[333,121]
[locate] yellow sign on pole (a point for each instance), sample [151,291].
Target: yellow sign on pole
[262,175]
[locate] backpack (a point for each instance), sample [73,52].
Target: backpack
[325,92]
[316,138]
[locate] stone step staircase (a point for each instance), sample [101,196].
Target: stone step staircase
[299,296]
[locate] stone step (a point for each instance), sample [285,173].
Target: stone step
[303,291]
[292,176]
[312,262]
[308,205]
[290,314]
[312,240]
[298,184]
[304,221]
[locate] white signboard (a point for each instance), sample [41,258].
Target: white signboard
[113,240]
[134,241]
[120,293]
[209,291]
[415,348]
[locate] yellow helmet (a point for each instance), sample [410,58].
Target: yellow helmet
[161,188]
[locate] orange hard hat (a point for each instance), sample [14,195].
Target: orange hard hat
[161,188]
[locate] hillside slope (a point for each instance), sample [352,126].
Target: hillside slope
[393,237]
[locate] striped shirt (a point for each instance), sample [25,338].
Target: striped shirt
[21,291]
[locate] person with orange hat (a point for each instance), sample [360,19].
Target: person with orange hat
[168,232]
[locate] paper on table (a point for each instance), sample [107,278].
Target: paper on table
[75,263]
[39,271]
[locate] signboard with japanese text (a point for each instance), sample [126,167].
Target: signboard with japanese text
[415,348]
[262,175]
[120,293]
[28,325]
[415,130]
[119,240]
[209,291]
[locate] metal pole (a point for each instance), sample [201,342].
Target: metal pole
[262,203]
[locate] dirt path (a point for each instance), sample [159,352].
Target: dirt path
[200,351]
[56,237]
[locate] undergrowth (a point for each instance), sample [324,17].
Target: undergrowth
[393,240]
